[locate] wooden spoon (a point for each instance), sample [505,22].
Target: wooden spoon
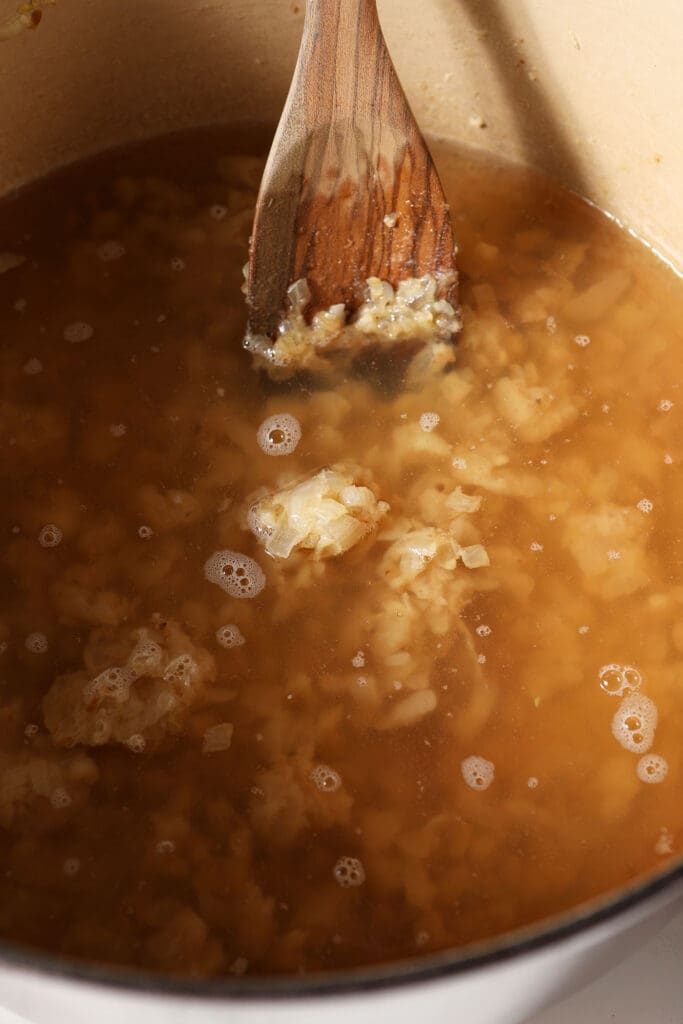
[349,190]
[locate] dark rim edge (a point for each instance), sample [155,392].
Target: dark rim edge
[398,974]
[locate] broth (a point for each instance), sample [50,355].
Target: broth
[359,757]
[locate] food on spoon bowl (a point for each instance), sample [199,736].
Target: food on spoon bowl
[411,313]
[403,710]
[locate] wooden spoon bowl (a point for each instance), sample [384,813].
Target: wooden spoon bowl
[350,190]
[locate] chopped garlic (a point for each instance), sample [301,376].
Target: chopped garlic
[327,514]
[410,312]
[475,556]
[218,738]
[458,501]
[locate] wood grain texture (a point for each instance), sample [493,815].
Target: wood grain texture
[347,154]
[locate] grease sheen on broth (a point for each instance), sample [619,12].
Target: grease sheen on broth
[370,756]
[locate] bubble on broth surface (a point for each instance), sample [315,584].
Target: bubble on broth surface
[236,574]
[71,867]
[77,332]
[645,506]
[50,536]
[230,636]
[358,660]
[582,340]
[477,772]
[665,843]
[110,250]
[652,768]
[165,846]
[217,211]
[348,872]
[36,643]
[136,743]
[177,264]
[239,966]
[32,367]
[619,680]
[532,782]
[279,434]
[429,421]
[634,723]
[59,798]
[117,429]
[145,532]
[326,779]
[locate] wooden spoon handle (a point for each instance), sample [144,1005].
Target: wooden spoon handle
[345,38]
[349,190]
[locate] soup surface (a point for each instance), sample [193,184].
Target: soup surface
[446,704]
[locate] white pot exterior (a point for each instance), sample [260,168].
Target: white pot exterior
[588,91]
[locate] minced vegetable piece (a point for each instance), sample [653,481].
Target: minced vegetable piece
[412,312]
[326,514]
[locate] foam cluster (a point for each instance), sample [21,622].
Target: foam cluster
[136,743]
[113,683]
[279,434]
[230,636]
[325,778]
[348,872]
[634,723]
[78,332]
[477,772]
[36,643]
[652,768]
[110,250]
[236,574]
[619,680]
[429,421]
[60,799]
[50,536]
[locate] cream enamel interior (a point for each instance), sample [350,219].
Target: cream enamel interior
[587,91]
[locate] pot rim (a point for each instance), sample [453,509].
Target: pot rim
[439,966]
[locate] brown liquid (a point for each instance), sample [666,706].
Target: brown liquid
[185,861]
